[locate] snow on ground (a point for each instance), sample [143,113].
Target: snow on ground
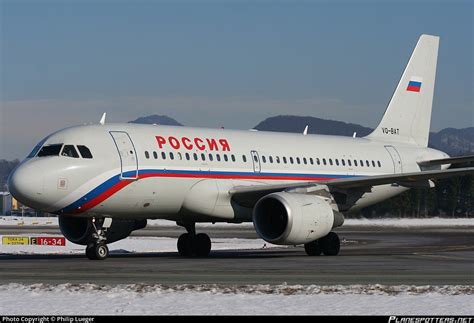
[131,244]
[386,222]
[19,221]
[74,299]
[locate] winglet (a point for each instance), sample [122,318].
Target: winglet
[102,120]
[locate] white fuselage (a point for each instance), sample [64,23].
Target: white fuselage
[176,173]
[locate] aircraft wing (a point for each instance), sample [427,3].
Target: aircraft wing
[251,194]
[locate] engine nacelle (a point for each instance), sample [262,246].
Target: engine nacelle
[290,218]
[80,230]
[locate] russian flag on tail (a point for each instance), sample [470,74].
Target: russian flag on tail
[415,84]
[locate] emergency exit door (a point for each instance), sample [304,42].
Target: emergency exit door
[256,161]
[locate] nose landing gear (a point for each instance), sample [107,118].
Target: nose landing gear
[97,249]
[191,244]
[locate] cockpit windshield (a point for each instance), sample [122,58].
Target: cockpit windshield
[37,148]
[50,150]
[59,149]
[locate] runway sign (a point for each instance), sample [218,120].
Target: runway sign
[15,240]
[48,241]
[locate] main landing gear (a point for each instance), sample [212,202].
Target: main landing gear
[97,249]
[191,244]
[328,245]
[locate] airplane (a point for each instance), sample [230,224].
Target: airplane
[105,180]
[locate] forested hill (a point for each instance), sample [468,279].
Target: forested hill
[455,142]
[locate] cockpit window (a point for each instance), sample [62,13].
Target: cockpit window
[85,152]
[70,151]
[37,148]
[50,150]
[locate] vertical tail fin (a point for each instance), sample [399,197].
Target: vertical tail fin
[408,115]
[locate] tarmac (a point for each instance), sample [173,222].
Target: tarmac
[389,256]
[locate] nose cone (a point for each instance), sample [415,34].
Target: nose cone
[26,184]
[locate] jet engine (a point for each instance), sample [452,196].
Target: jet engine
[290,218]
[80,230]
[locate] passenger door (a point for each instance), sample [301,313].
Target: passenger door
[127,154]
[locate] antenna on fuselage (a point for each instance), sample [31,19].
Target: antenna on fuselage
[102,120]
[305,132]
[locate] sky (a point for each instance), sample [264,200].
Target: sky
[221,63]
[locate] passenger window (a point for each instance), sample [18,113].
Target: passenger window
[155,155]
[180,156]
[203,157]
[277,158]
[311,160]
[218,157]
[318,161]
[255,158]
[304,160]
[69,151]
[187,156]
[349,162]
[271,159]
[330,161]
[367,163]
[284,160]
[361,163]
[355,162]
[163,155]
[226,158]
[343,162]
[378,163]
[171,156]
[264,159]
[324,161]
[210,157]
[147,155]
[298,160]
[373,163]
[195,156]
[50,150]
[337,162]
[244,158]
[291,160]
[232,157]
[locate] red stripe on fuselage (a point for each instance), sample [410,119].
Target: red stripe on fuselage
[103,196]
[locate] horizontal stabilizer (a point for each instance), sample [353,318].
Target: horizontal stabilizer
[445,161]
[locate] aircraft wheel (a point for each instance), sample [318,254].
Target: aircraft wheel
[101,251]
[203,245]
[185,245]
[90,252]
[313,248]
[330,244]
[98,251]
